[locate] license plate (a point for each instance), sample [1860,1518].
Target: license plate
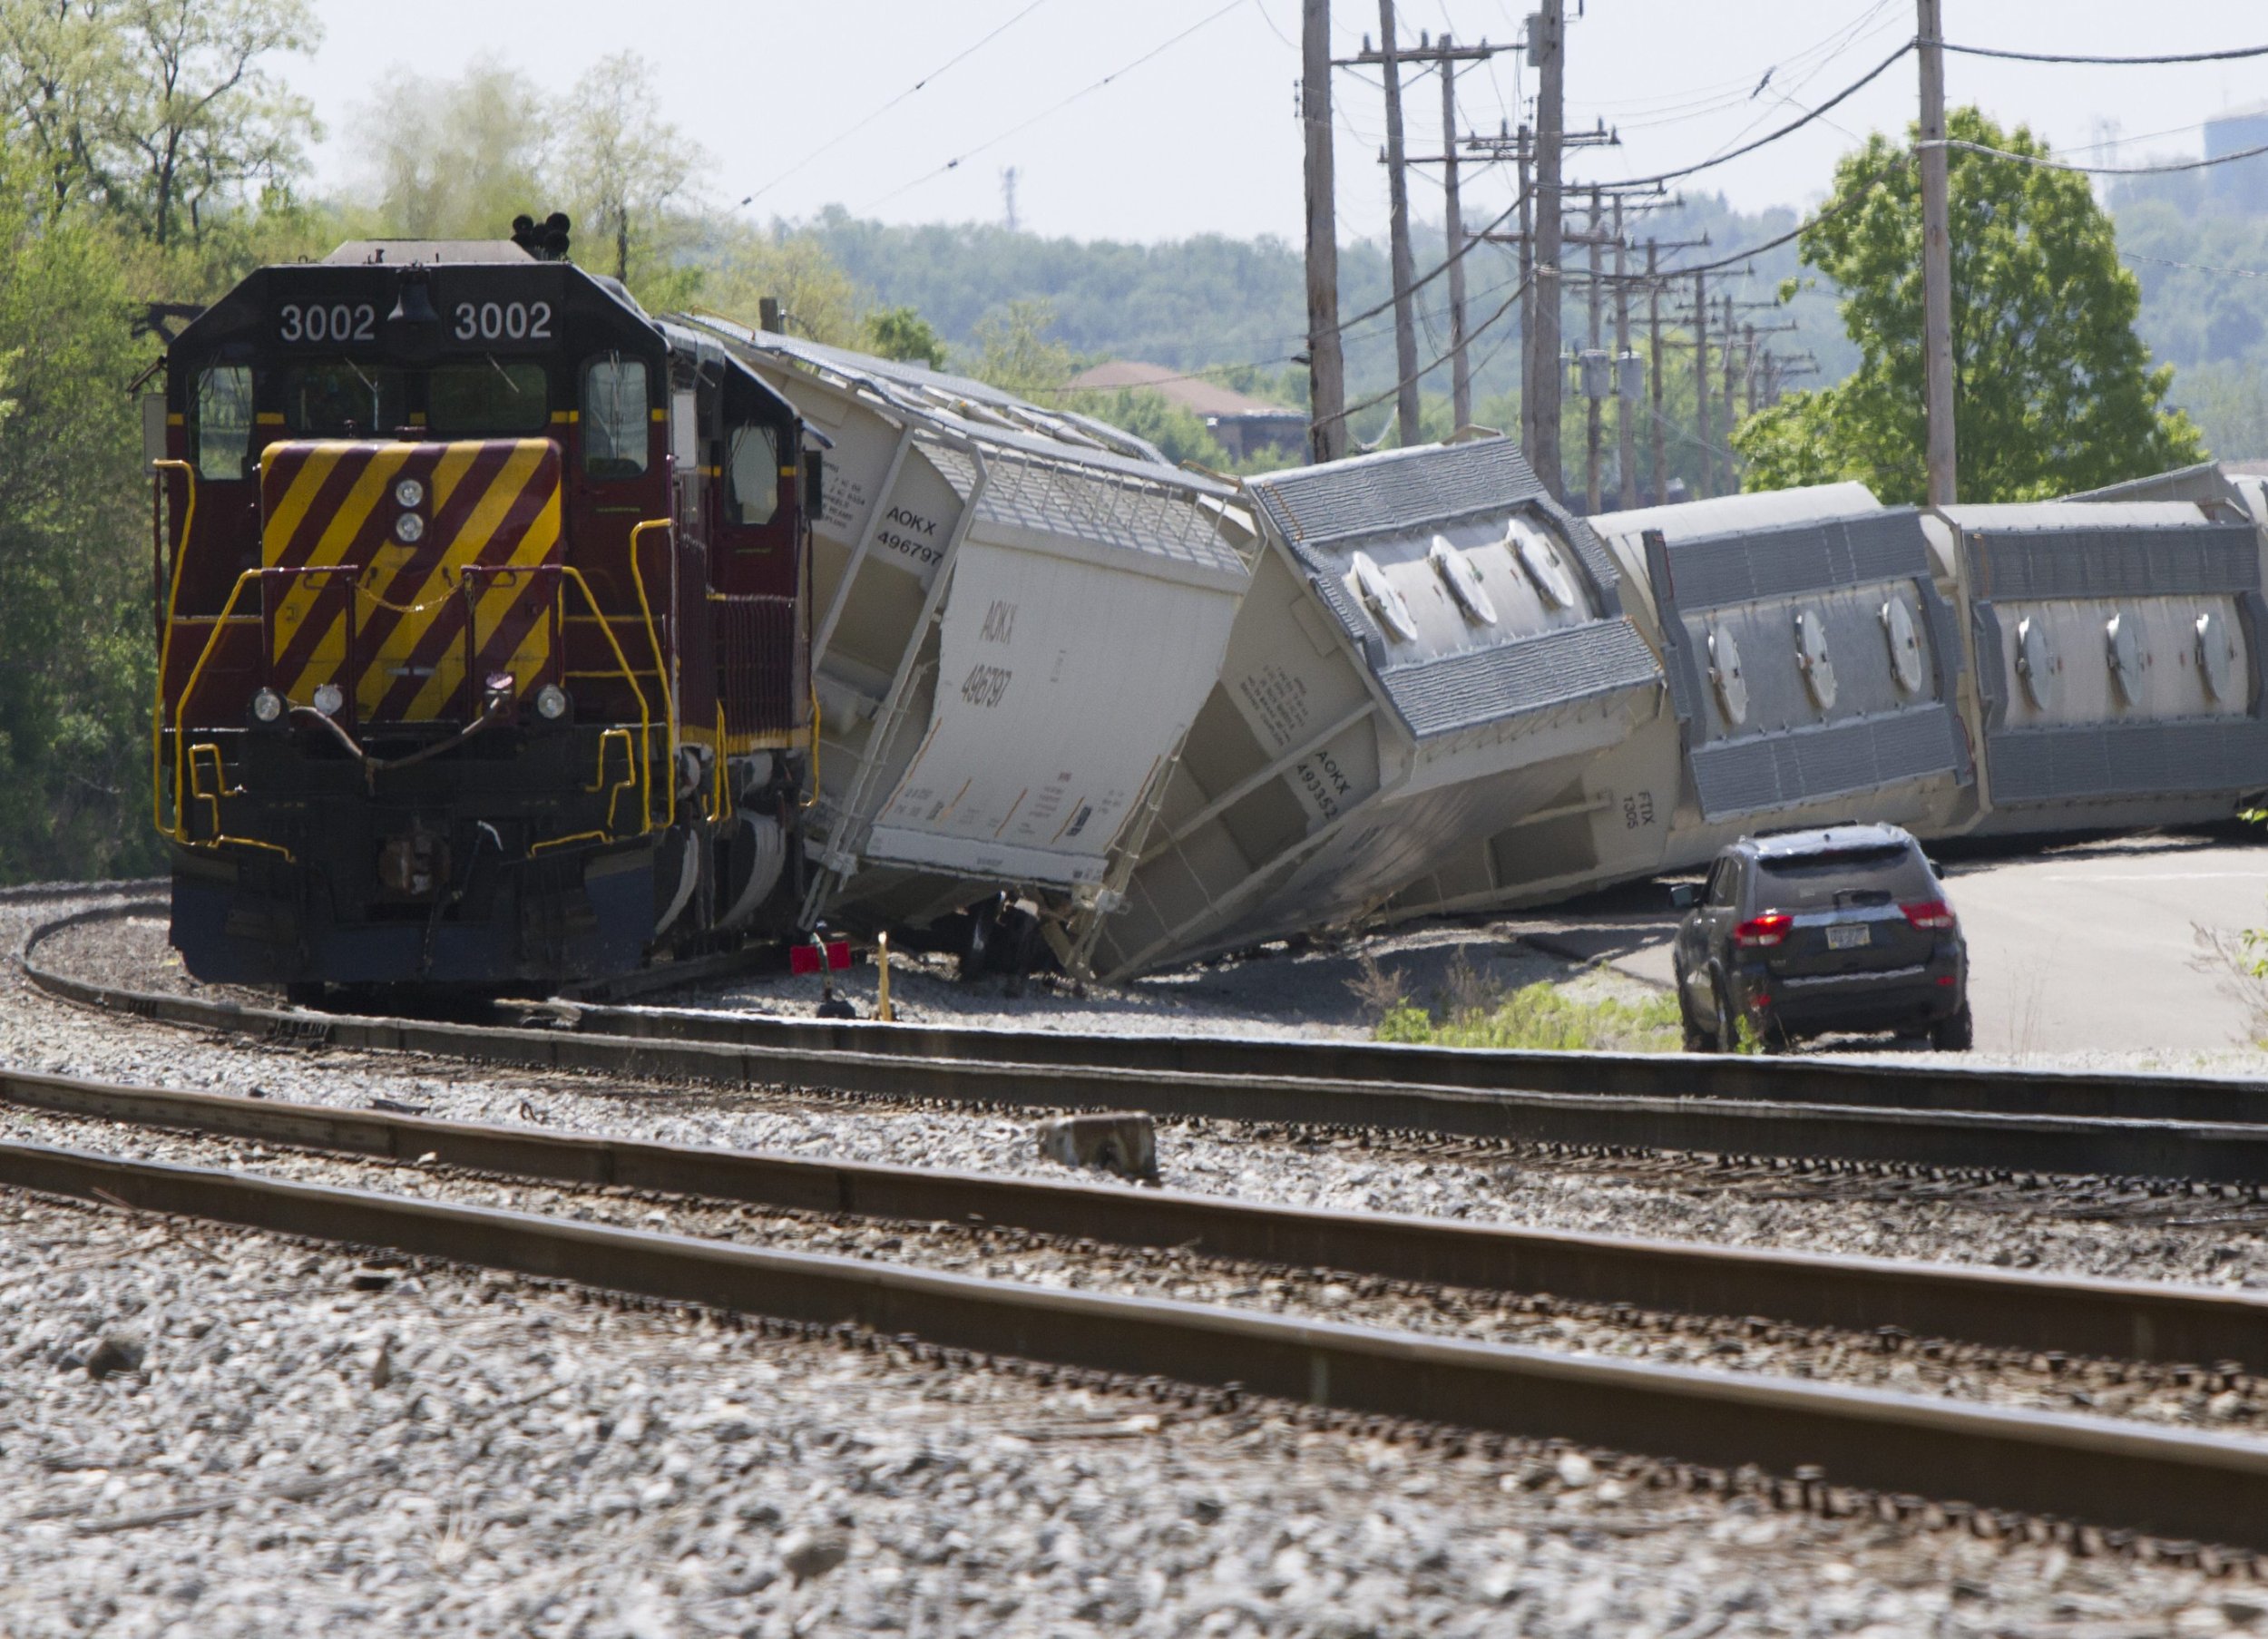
[1849,938]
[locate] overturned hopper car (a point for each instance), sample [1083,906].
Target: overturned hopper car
[1430,643]
[1020,613]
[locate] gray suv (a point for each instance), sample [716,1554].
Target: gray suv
[1810,933]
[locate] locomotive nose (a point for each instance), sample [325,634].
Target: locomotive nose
[408,575]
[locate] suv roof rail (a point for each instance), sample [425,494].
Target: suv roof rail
[1839,824]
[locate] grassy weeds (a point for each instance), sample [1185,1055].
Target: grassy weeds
[1541,1015]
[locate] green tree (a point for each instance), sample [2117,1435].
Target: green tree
[902,333]
[75,664]
[163,111]
[2053,390]
[1016,353]
[816,298]
[628,167]
[454,159]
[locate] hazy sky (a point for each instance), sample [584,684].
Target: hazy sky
[1203,136]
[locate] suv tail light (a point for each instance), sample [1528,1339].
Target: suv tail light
[1770,928]
[1929,913]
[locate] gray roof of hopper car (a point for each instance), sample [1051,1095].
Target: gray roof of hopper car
[926,395]
[1322,513]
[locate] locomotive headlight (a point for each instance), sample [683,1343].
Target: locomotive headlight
[328,698]
[410,529]
[267,707]
[551,703]
[409,493]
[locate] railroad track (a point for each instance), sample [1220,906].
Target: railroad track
[1829,1443]
[2128,1126]
[40,893]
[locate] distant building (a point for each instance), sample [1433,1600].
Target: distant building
[2242,186]
[1242,423]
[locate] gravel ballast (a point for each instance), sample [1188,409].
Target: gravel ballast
[2229,1400]
[213,1433]
[2062,1225]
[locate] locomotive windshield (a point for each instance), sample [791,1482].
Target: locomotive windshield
[336,397]
[614,417]
[223,428]
[487,396]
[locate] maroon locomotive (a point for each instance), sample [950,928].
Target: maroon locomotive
[482,626]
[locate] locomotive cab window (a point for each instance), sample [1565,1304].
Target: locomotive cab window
[487,397]
[340,398]
[223,415]
[752,468]
[614,417]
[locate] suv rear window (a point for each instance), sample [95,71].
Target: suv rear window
[1896,870]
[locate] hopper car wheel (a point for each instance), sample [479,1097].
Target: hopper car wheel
[1956,1034]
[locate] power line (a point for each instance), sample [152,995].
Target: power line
[2163,262]
[953,163]
[852,130]
[1843,96]
[2098,170]
[2039,56]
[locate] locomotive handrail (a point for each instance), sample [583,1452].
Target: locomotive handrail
[661,671]
[165,641]
[180,832]
[645,716]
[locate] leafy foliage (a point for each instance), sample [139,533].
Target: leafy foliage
[75,665]
[1543,1015]
[453,159]
[160,111]
[903,334]
[2053,390]
[626,168]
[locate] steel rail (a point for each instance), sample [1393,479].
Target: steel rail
[2169,1481]
[1923,1085]
[1724,1120]
[33,894]
[2076,1315]
[1812,1080]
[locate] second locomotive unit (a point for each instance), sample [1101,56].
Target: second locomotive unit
[482,626]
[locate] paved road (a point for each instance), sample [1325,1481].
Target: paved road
[2090,947]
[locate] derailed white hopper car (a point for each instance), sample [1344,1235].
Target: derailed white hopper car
[1430,644]
[2117,653]
[1018,614]
[1812,665]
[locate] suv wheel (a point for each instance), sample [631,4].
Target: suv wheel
[1727,1040]
[1956,1034]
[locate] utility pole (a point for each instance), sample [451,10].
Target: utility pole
[1595,408]
[1936,259]
[1547,45]
[1444,54]
[1625,441]
[1460,367]
[1398,232]
[1654,383]
[1731,470]
[1528,309]
[1701,381]
[1326,367]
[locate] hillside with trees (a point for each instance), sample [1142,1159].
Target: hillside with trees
[153,153]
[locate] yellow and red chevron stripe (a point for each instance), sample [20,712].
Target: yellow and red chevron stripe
[356,585]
